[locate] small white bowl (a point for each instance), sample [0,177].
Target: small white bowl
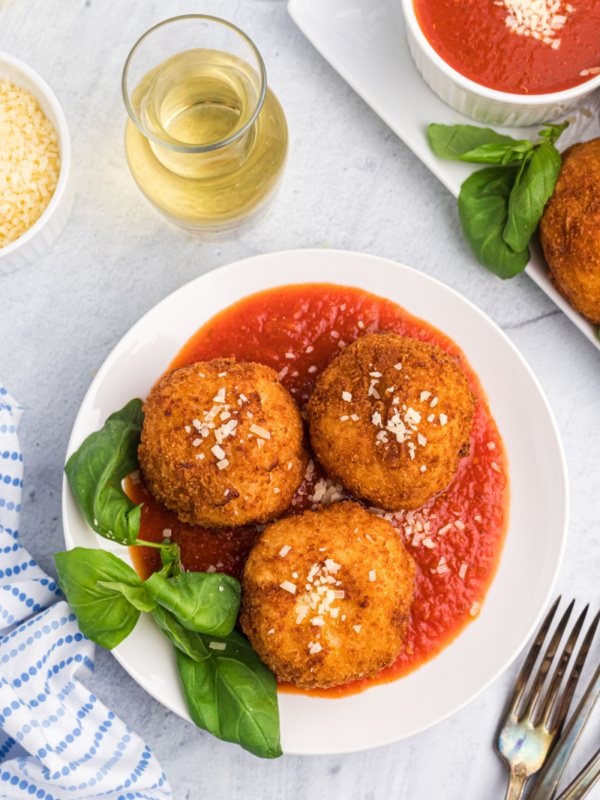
[42,234]
[479,102]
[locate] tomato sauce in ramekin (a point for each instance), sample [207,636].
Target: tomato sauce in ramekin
[502,45]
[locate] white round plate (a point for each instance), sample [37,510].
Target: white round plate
[538,514]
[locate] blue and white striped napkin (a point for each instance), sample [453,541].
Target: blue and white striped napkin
[57,740]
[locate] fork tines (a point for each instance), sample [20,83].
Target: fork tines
[541,711]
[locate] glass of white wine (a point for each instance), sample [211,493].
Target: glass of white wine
[206,139]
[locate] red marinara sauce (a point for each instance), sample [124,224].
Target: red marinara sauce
[465,524]
[473,37]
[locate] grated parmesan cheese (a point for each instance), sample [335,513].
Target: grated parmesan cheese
[539,19]
[260,431]
[29,161]
[218,451]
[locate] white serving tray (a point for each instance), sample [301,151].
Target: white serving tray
[365,41]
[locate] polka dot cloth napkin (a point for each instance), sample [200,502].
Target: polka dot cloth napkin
[57,741]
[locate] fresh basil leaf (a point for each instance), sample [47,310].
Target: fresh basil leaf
[454,141]
[104,615]
[135,594]
[530,193]
[188,642]
[483,212]
[497,153]
[232,694]
[552,131]
[202,601]
[97,469]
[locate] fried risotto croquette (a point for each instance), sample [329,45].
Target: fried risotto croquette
[326,596]
[390,418]
[570,229]
[222,443]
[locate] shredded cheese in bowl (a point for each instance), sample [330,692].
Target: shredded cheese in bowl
[29,161]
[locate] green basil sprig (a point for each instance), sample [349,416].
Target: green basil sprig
[228,690]
[500,207]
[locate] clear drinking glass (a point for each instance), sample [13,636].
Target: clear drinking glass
[206,139]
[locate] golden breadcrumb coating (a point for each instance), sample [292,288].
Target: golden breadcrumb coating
[222,443]
[570,229]
[326,596]
[390,418]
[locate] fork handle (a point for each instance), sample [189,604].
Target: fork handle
[583,783]
[516,784]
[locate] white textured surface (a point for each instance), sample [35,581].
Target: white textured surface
[351,184]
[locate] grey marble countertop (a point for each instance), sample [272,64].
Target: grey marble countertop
[350,184]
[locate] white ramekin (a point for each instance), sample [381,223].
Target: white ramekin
[477,101]
[42,234]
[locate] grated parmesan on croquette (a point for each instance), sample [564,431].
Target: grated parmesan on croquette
[29,161]
[345,614]
[370,422]
[222,443]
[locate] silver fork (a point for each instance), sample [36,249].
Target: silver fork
[526,736]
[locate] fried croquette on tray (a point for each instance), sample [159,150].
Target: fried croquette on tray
[326,596]
[390,418]
[222,443]
[570,229]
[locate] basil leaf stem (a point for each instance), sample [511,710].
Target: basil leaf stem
[158,545]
